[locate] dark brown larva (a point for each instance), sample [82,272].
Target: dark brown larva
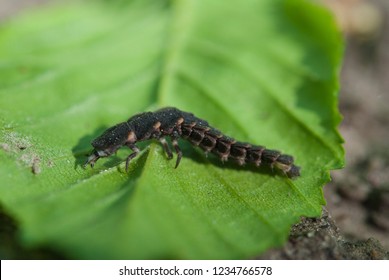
[177,124]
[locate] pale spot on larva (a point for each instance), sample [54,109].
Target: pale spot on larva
[131,137]
[157,125]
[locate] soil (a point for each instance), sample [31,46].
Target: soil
[355,221]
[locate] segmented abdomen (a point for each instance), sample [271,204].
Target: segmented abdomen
[227,148]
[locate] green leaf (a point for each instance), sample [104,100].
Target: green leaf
[264,72]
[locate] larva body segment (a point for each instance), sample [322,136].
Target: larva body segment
[173,123]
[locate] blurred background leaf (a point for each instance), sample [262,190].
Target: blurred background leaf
[265,72]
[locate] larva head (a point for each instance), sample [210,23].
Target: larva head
[110,141]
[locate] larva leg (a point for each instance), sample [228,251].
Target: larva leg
[131,156]
[178,151]
[166,148]
[174,139]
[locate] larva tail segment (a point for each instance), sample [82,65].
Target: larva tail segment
[227,148]
[260,156]
[285,164]
[274,159]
